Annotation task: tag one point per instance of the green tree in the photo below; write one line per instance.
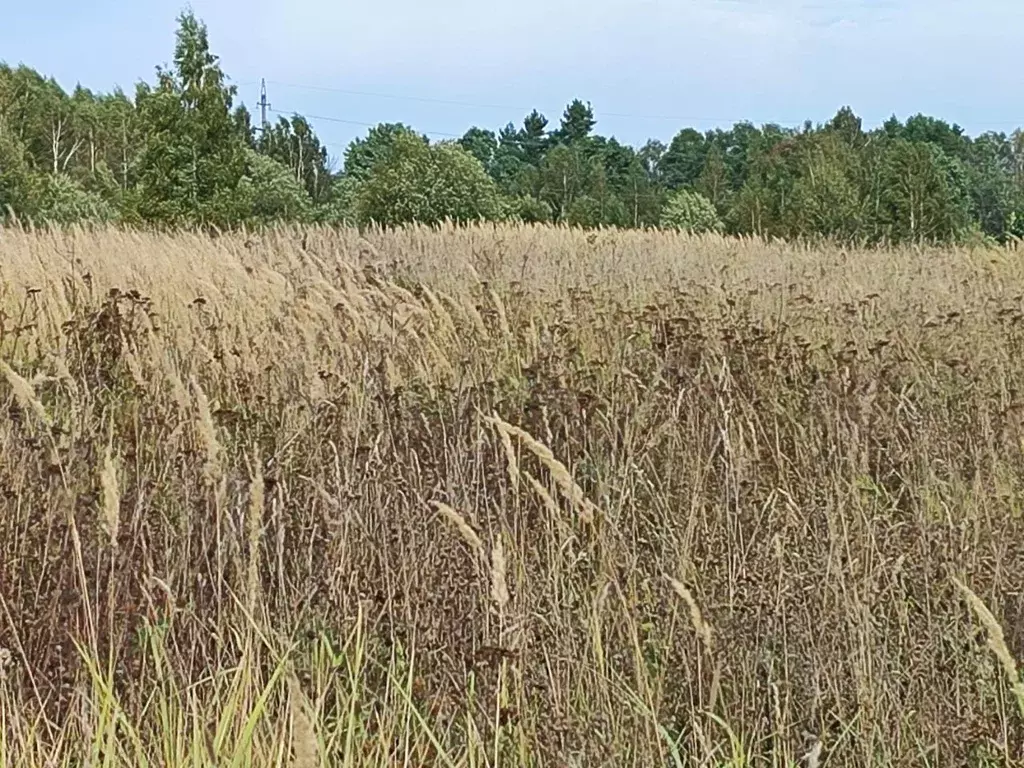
(951, 139)
(740, 145)
(269, 192)
(65, 201)
(577, 123)
(194, 153)
(826, 198)
(339, 208)
(528, 210)
(923, 193)
(563, 177)
(713, 181)
(415, 181)
(990, 174)
(509, 167)
(690, 212)
(652, 155)
(628, 193)
(17, 183)
(848, 127)
(599, 205)
(683, 161)
(481, 144)
(293, 143)
(28, 103)
(641, 194)
(763, 205)
(117, 137)
(362, 154)
(534, 140)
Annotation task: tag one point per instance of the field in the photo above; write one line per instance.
(508, 497)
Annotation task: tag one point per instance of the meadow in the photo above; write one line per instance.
(508, 496)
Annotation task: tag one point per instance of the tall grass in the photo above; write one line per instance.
(508, 496)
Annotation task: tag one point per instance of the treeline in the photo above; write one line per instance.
(179, 152)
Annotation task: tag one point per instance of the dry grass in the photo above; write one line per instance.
(508, 497)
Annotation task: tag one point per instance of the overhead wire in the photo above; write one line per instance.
(328, 119)
(509, 107)
(692, 119)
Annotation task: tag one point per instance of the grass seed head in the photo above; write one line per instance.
(465, 529)
(499, 585)
(701, 627)
(111, 497)
(24, 394)
(586, 509)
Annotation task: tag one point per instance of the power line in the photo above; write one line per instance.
(352, 122)
(478, 105)
(424, 99)
(265, 107)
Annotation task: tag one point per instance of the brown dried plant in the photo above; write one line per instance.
(314, 497)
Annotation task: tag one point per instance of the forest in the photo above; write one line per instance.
(180, 152)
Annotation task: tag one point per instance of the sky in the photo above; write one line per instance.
(649, 67)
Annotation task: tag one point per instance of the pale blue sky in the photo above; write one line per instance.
(696, 62)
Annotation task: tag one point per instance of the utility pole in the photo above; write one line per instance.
(264, 105)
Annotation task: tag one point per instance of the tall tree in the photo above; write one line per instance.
(951, 139)
(577, 123)
(269, 192)
(923, 192)
(17, 183)
(652, 155)
(294, 144)
(363, 153)
(534, 140)
(990, 181)
(713, 181)
(683, 161)
(481, 144)
(826, 197)
(194, 155)
(848, 127)
(563, 178)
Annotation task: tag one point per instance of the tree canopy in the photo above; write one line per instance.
(180, 152)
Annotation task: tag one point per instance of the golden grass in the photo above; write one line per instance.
(722, 501)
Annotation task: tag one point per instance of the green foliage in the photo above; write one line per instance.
(528, 210)
(194, 152)
(65, 201)
(179, 152)
(690, 212)
(951, 139)
(269, 192)
(577, 123)
(481, 144)
(563, 178)
(713, 181)
(847, 127)
(825, 197)
(534, 141)
(924, 193)
(17, 184)
(590, 212)
(363, 154)
(683, 161)
(294, 144)
(340, 206)
(994, 198)
(414, 181)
